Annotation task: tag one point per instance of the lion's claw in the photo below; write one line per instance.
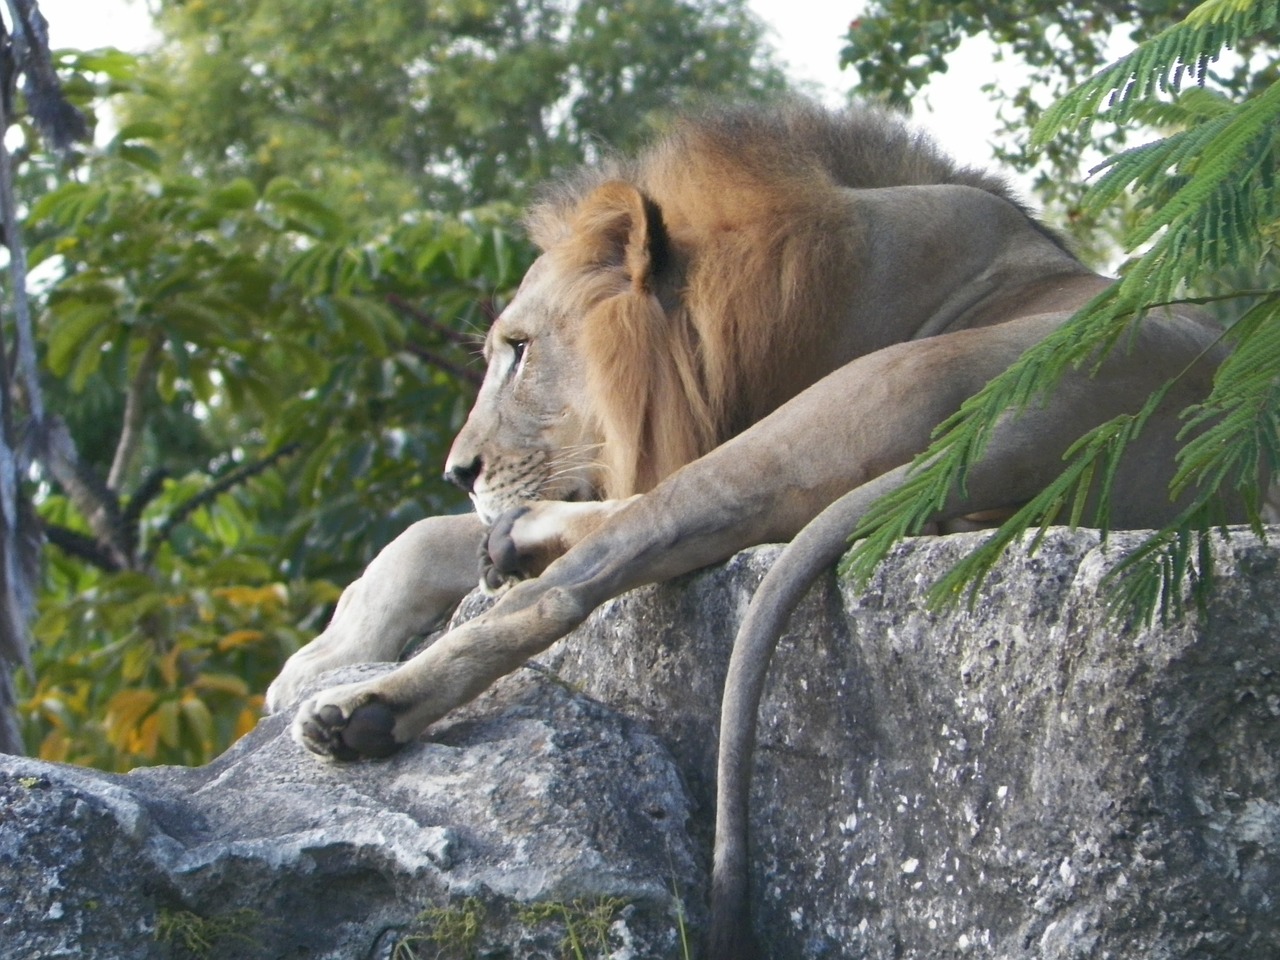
(368, 732)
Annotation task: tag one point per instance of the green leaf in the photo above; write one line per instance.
(239, 194)
(140, 130)
(108, 60)
(308, 213)
(367, 320)
(145, 157)
(77, 327)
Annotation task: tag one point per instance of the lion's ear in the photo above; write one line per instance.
(624, 229)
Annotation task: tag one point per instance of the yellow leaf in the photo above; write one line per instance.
(271, 596)
(124, 712)
(240, 638)
(169, 667)
(143, 741)
(199, 719)
(246, 721)
(134, 663)
(55, 747)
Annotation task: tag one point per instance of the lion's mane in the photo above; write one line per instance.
(704, 304)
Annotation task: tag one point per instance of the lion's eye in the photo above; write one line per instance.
(518, 348)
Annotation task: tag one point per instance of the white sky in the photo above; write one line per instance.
(86, 24)
(808, 35)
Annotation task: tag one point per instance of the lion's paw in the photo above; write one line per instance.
(501, 563)
(344, 728)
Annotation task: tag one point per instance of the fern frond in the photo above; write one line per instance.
(1188, 108)
(1147, 163)
(1208, 203)
(961, 440)
(1101, 449)
(1238, 440)
(1239, 422)
(1162, 64)
(1153, 577)
(1239, 147)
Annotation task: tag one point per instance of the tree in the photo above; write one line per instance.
(1208, 201)
(247, 388)
(24, 433)
(899, 46)
(402, 104)
(253, 389)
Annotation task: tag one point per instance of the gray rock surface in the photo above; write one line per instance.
(533, 795)
(1025, 780)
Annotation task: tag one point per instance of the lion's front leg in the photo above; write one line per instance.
(416, 580)
(373, 718)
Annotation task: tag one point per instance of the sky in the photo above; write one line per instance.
(808, 35)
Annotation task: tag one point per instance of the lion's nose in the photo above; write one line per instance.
(464, 475)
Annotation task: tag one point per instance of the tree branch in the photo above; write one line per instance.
(89, 495)
(82, 547)
(464, 373)
(135, 409)
(473, 377)
(232, 479)
(131, 515)
(463, 340)
(26, 52)
(60, 123)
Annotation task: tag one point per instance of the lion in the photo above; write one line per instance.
(760, 318)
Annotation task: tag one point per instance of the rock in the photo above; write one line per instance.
(1022, 780)
(528, 807)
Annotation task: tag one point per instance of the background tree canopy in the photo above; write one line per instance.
(404, 105)
(897, 47)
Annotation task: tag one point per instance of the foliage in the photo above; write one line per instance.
(169, 663)
(1208, 198)
(454, 931)
(586, 923)
(198, 936)
(899, 46)
(406, 105)
(25, 429)
(250, 386)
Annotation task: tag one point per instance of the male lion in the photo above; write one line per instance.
(763, 315)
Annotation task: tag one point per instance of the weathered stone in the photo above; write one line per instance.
(532, 796)
(1025, 780)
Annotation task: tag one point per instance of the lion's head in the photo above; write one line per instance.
(679, 298)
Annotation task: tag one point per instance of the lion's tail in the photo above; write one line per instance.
(814, 549)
